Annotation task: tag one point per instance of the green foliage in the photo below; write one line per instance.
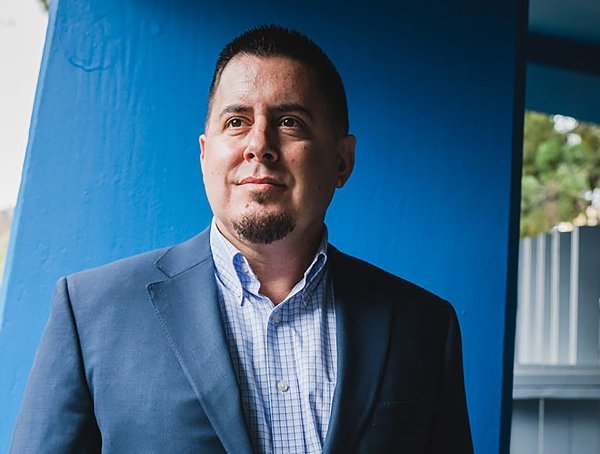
(561, 161)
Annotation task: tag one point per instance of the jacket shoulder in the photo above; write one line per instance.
(143, 264)
(157, 264)
(137, 271)
(369, 280)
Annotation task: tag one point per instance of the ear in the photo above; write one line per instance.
(202, 142)
(345, 154)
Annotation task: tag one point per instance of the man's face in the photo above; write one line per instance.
(271, 158)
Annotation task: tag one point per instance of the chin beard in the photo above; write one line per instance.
(264, 228)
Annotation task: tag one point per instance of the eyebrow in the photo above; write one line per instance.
(234, 108)
(293, 107)
(280, 108)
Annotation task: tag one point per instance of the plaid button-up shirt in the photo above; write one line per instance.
(285, 356)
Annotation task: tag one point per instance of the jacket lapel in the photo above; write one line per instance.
(187, 307)
(363, 328)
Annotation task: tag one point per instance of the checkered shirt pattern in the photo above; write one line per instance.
(284, 356)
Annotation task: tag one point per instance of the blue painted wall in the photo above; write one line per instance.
(112, 162)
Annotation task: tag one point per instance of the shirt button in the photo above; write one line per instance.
(276, 319)
(283, 386)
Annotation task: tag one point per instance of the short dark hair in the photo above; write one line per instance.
(277, 41)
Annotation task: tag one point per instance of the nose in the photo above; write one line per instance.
(261, 145)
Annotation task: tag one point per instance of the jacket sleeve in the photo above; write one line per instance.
(57, 414)
(451, 431)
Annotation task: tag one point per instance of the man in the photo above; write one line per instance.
(255, 335)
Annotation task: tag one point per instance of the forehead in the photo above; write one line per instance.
(261, 78)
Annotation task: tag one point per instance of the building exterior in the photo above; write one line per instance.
(556, 391)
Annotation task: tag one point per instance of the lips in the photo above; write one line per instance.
(266, 181)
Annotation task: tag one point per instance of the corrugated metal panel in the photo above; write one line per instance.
(556, 392)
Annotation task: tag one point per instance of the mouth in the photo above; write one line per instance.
(261, 183)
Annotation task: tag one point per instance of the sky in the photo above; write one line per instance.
(22, 33)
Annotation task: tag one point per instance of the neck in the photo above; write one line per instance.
(281, 264)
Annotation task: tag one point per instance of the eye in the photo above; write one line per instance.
(290, 122)
(234, 123)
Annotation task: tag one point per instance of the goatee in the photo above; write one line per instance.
(264, 228)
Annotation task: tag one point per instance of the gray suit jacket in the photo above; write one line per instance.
(134, 359)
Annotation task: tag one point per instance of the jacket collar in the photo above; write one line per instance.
(186, 255)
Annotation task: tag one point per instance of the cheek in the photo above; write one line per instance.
(214, 177)
(218, 166)
(210, 173)
(314, 169)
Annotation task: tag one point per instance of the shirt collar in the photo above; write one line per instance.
(234, 272)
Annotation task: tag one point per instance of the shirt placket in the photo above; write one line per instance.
(274, 354)
(286, 416)
(259, 309)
